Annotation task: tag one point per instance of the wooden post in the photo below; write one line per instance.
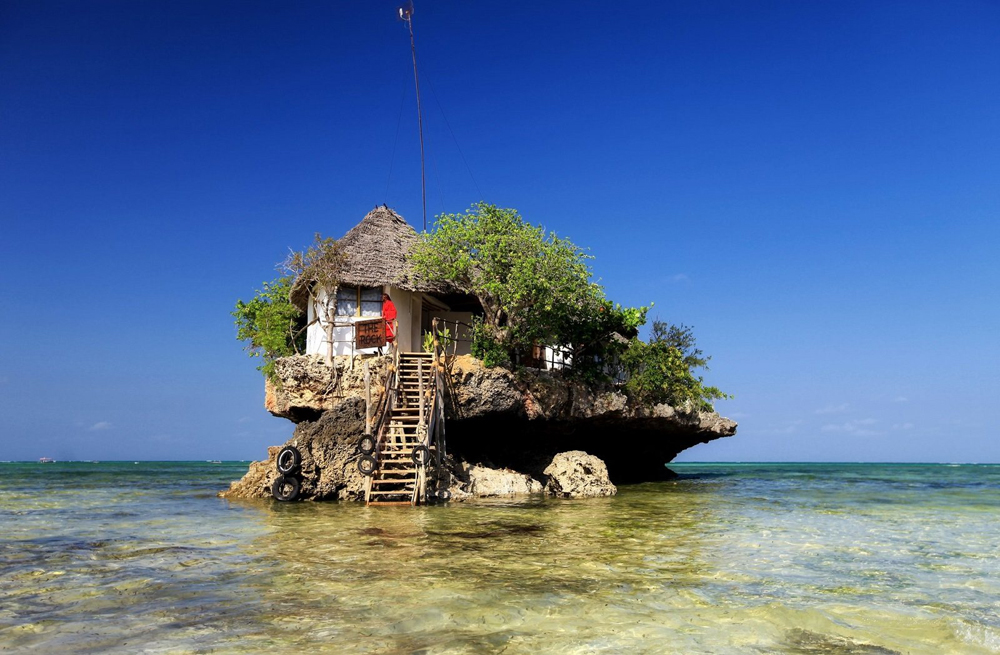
(420, 388)
(434, 332)
(368, 400)
(329, 339)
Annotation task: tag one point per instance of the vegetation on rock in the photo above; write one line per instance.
(534, 287)
(661, 370)
(270, 325)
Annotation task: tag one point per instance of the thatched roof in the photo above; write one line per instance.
(378, 250)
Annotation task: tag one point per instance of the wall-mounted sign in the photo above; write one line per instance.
(369, 334)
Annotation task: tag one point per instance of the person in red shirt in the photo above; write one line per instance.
(389, 314)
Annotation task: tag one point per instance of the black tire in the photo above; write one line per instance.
(286, 488)
(367, 465)
(288, 461)
(420, 455)
(366, 445)
(444, 495)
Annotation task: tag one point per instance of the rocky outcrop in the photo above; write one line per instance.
(329, 458)
(518, 426)
(575, 474)
(477, 391)
(520, 420)
(478, 481)
(305, 386)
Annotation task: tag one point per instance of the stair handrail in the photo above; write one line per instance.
(388, 399)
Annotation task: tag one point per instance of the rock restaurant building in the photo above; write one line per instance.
(378, 251)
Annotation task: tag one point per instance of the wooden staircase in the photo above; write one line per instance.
(398, 478)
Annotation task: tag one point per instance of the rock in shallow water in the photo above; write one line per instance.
(329, 458)
(483, 482)
(576, 474)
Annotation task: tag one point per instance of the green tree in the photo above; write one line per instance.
(682, 338)
(662, 370)
(534, 287)
(270, 325)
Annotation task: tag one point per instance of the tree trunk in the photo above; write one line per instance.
(329, 338)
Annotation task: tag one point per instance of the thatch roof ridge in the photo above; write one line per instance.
(377, 251)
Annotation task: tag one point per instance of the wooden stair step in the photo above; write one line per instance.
(405, 492)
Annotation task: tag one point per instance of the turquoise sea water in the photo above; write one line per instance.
(747, 558)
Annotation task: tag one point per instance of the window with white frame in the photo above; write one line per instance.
(359, 301)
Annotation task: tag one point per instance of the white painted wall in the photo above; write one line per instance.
(416, 305)
(344, 336)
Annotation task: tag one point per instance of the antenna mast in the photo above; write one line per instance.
(406, 14)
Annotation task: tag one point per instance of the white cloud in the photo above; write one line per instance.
(902, 426)
(790, 427)
(859, 427)
(679, 277)
(100, 425)
(900, 399)
(833, 409)
(244, 419)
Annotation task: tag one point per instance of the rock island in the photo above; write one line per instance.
(477, 360)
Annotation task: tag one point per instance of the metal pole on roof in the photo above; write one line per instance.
(406, 14)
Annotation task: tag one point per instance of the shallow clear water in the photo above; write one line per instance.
(759, 558)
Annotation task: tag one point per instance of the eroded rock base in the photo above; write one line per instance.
(509, 433)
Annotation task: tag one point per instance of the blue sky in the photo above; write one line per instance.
(813, 186)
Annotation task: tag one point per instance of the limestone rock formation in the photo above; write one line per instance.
(480, 481)
(575, 474)
(518, 419)
(329, 458)
(518, 424)
(306, 387)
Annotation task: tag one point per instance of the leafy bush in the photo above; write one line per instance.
(533, 286)
(536, 289)
(444, 338)
(271, 326)
(661, 371)
(486, 348)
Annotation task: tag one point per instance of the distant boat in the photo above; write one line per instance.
(213, 461)
(46, 460)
